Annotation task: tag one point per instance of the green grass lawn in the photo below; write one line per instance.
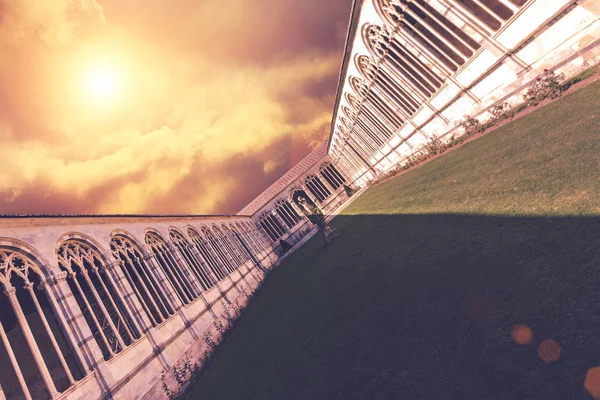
(418, 296)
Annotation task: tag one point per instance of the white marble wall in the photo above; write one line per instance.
(136, 369)
(560, 35)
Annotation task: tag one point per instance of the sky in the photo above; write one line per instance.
(161, 107)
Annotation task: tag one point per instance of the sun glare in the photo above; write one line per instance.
(103, 83)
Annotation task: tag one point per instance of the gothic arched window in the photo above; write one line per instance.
(205, 251)
(317, 188)
(332, 175)
(143, 282)
(287, 213)
(173, 271)
(429, 29)
(231, 244)
(271, 225)
(217, 247)
(242, 231)
(36, 356)
(102, 307)
(195, 264)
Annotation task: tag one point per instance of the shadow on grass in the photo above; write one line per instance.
(422, 307)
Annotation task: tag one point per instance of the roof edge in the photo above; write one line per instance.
(348, 48)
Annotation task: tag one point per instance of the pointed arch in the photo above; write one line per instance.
(317, 188)
(135, 267)
(287, 213)
(175, 273)
(33, 346)
(203, 248)
(195, 264)
(87, 276)
(271, 225)
(331, 174)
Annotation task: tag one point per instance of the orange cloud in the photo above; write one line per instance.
(187, 112)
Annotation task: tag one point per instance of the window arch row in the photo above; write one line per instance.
(231, 245)
(432, 30)
(175, 274)
(240, 241)
(215, 244)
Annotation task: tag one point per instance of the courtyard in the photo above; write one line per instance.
(474, 276)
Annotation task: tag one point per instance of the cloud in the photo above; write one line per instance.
(213, 107)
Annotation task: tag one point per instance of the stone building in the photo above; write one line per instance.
(414, 69)
(315, 180)
(99, 306)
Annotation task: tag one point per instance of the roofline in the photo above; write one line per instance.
(124, 216)
(34, 220)
(348, 48)
(282, 190)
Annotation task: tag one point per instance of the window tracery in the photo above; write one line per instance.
(317, 188)
(287, 213)
(271, 225)
(141, 279)
(40, 361)
(198, 268)
(172, 270)
(105, 313)
(332, 175)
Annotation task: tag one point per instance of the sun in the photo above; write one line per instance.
(103, 83)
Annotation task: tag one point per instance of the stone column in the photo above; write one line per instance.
(69, 313)
(367, 164)
(179, 271)
(447, 73)
(86, 277)
(145, 306)
(167, 289)
(203, 264)
(13, 362)
(209, 269)
(63, 362)
(11, 293)
(182, 262)
(112, 301)
(73, 277)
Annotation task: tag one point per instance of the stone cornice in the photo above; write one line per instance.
(348, 50)
(16, 221)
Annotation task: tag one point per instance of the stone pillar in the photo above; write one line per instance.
(186, 269)
(11, 293)
(85, 275)
(127, 295)
(73, 277)
(63, 362)
(203, 263)
(165, 286)
(14, 363)
(151, 317)
(69, 313)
